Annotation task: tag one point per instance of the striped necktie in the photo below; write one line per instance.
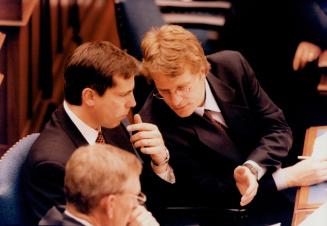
(100, 139)
(209, 115)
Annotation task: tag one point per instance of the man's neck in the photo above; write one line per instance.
(88, 219)
(83, 115)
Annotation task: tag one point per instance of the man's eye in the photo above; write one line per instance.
(124, 94)
(183, 88)
(164, 92)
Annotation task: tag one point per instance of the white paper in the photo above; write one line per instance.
(317, 218)
(320, 145)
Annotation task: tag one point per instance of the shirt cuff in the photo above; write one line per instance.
(168, 175)
(280, 179)
(261, 170)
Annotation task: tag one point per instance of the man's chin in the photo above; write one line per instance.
(112, 125)
(184, 114)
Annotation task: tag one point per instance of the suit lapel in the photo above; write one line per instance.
(120, 137)
(232, 112)
(236, 115)
(69, 127)
(214, 139)
(117, 136)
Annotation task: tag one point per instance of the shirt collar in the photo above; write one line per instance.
(88, 132)
(209, 102)
(83, 222)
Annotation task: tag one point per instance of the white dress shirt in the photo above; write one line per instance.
(83, 222)
(88, 132)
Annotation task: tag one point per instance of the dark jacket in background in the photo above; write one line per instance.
(56, 216)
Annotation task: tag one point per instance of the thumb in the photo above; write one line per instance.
(239, 171)
(137, 119)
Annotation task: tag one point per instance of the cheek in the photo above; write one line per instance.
(197, 99)
(126, 213)
(117, 106)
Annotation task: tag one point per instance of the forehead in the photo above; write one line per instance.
(122, 84)
(168, 82)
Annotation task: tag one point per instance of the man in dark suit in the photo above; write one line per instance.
(102, 187)
(99, 82)
(225, 135)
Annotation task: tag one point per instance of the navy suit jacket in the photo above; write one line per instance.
(43, 173)
(202, 160)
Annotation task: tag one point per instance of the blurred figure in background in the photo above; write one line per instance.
(283, 41)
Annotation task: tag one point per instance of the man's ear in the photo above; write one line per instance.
(108, 204)
(88, 96)
(205, 70)
(203, 73)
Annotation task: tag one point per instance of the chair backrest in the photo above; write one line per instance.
(203, 18)
(134, 19)
(12, 210)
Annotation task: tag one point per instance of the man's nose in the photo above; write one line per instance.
(176, 100)
(131, 102)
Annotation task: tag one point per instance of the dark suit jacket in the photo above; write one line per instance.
(57, 216)
(43, 171)
(203, 161)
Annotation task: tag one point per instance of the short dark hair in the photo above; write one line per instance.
(92, 65)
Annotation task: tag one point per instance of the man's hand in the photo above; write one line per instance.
(148, 138)
(306, 172)
(141, 217)
(305, 52)
(246, 183)
(323, 59)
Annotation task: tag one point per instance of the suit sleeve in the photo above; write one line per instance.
(275, 136)
(44, 187)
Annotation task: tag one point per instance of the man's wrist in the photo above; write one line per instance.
(252, 169)
(159, 169)
(280, 179)
(162, 162)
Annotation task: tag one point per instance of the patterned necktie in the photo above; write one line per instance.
(100, 139)
(209, 115)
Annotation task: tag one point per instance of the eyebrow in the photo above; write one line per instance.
(127, 92)
(182, 85)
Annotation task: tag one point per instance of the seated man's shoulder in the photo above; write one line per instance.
(225, 55)
(52, 146)
(54, 216)
(228, 64)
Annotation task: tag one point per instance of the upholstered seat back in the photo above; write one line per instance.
(12, 209)
(134, 19)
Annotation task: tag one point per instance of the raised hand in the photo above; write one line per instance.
(305, 52)
(142, 217)
(148, 138)
(246, 183)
